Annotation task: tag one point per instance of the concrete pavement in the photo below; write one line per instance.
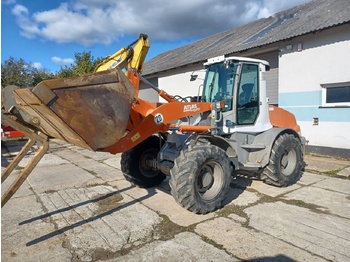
(77, 206)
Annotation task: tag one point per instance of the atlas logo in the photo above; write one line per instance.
(191, 108)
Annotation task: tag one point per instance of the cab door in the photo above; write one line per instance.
(248, 95)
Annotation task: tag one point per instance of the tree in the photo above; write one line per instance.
(38, 75)
(20, 73)
(84, 64)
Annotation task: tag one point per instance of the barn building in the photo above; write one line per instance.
(308, 48)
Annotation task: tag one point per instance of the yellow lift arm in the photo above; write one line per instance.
(130, 57)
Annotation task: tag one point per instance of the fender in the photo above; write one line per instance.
(219, 142)
(268, 139)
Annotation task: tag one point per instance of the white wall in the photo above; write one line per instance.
(328, 134)
(147, 93)
(177, 82)
(324, 58)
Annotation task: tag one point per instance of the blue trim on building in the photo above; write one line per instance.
(308, 98)
(306, 106)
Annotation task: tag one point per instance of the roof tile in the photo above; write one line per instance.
(300, 20)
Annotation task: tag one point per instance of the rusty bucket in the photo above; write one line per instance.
(90, 111)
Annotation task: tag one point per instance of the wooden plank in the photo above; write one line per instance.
(50, 123)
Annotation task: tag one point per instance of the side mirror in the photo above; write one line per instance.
(193, 77)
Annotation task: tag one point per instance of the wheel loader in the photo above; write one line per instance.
(200, 142)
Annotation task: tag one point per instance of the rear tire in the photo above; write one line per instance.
(134, 164)
(200, 178)
(286, 162)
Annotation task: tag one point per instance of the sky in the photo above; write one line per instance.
(47, 33)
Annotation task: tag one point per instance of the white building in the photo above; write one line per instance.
(308, 48)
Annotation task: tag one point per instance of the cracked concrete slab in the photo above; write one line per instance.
(333, 202)
(345, 172)
(95, 218)
(15, 234)
(334, 184)
(324, 164)
(259, 186)
(82, 209)
(24, 190)
(114, 161)
(320, 234)
(183, 247)
(101, 170)
(238, 218)
(98, 156)
(58, 177)
(310, 178)
(271, 190)
(242, 197)
(262, 247)
(47, 160)
(71, 156)
(163, 203)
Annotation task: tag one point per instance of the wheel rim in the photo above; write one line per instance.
(210, 180)
(288, 161)
(144, 164)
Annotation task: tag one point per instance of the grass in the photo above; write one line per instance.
(332, 172)
(230, 209)
(212, 242)
(19, 168)
(167, 229)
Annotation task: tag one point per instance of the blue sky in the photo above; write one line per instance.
(47, 33)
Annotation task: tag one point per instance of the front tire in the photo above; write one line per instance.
(286, 162)
(135, 164)
(200, 178)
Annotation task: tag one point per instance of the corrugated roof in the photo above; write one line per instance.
(300, 20)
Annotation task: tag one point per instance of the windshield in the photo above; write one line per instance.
(218, 84)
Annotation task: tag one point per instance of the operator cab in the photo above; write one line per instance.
(239, 82)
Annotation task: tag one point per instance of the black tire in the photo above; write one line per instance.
(200, 178)
(134, 167)
(286, 162)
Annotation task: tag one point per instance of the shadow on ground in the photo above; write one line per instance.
(233, 194)
(151, 192)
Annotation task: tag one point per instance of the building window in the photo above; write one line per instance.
(336, 94)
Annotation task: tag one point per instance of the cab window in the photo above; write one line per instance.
(248, 95)
(219, 84)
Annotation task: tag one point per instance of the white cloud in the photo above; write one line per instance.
(89, 22)
(271, 7)
(37, 65)
(28, 28)
(8, 2)
(62, 61)
(19, 10)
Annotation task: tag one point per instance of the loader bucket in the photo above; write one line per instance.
(91, 111)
